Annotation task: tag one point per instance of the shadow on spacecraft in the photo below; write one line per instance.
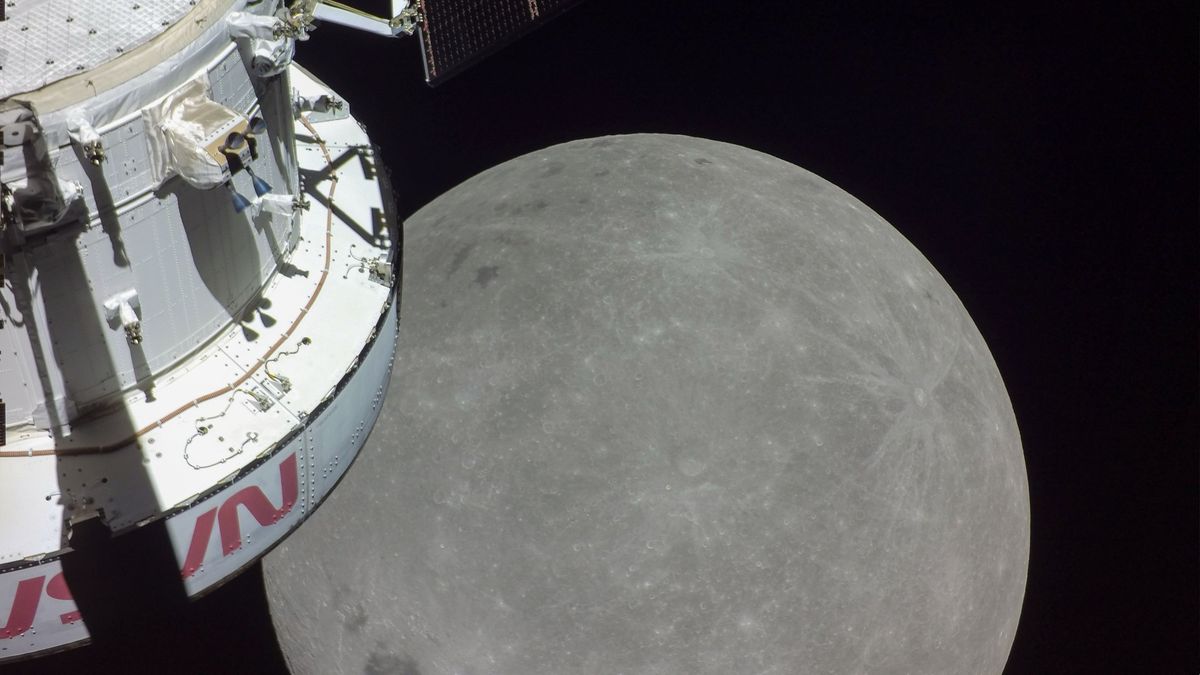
(199, 292)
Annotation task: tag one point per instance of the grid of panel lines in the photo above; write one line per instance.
(457, 33)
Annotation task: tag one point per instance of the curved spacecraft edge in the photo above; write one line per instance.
(197, 317)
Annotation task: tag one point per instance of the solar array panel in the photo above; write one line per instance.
(457, 33)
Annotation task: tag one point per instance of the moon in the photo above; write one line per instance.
(668, 405)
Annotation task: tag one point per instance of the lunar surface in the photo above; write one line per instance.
(668, 405)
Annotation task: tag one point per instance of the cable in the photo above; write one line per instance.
(117, 445)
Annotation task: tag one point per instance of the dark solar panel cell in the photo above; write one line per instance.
(457, 33)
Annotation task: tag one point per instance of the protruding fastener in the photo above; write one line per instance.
(94, 152)
(121, 308)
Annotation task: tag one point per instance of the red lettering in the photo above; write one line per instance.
(29, 591)
(200, 535)
(258, 505)
(24, 607)
(57, 589)
(226, 516)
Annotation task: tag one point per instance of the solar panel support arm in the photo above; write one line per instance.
(403, 22)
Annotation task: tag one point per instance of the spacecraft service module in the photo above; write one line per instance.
(198, 309)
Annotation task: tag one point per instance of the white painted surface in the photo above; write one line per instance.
(303, 441)
(46, 40)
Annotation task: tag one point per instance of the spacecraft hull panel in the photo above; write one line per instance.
(216, 538)
(193, 261)
(42, 42)
(233, 438)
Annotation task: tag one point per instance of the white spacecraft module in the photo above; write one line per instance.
(197, 315)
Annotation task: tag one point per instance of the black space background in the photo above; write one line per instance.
(1045, 161)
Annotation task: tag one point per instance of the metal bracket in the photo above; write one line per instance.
(298, 22)
(406, 21)
(380, 272)
(122, 308)
(261, 400)
(83, 134)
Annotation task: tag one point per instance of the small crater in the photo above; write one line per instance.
(701, 161)
(601, 172)
(485, 275)
(553, 169)
(601, 143)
